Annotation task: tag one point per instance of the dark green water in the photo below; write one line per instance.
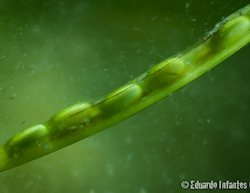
(56, 53)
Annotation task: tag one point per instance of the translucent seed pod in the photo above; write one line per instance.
(121, 98)
(162, 75)
(83, 120)
(70, 119)
(21, 142)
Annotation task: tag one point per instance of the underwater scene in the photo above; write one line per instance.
(54, 54)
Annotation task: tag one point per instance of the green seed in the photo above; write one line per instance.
(74, 114)
(122, 98)
(70, 119)
(163, 74)
(236, 28)
(229, 34)
(24, 140)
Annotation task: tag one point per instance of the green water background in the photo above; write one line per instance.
(57, 53)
